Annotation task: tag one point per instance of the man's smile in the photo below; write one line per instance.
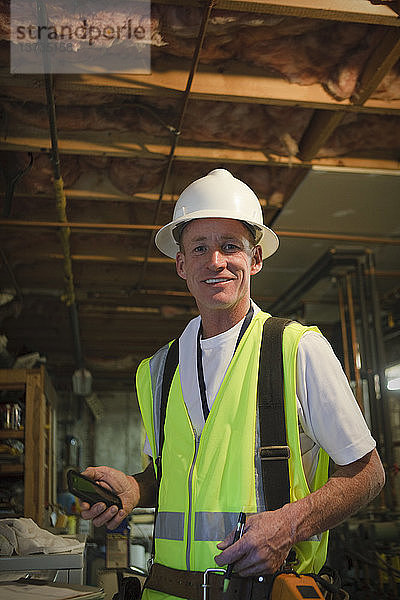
(217, 280)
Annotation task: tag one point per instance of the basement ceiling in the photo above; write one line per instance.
(300, 99)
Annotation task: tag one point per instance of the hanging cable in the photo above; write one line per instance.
(11, 183)
(177, 132)
(64, 232)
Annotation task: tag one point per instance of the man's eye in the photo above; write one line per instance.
(231, 247)
(199, 249)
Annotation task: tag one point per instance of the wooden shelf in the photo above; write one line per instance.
(39, 469)
(11, 469)
(143, 518)
(12, 434)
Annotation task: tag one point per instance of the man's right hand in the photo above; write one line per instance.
(125, 486)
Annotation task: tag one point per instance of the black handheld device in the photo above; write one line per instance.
(91, 492)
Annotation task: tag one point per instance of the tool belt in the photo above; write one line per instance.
(190, 584)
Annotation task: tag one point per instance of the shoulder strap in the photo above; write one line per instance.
(274, 451)
(171, 362)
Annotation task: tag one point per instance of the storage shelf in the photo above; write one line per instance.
(39, 467)
(12, 434)
(11, 469)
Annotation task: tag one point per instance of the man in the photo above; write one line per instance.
(210, 464)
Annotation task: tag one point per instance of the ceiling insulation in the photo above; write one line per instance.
(281, 89)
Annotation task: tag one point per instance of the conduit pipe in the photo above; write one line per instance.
(343, 329)
(64, 232)
(176, 133)
(354, 343)
(380, 363)
(372, 351)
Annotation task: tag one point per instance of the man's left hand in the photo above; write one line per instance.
(262, 549)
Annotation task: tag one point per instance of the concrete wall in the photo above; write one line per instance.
(115, 439)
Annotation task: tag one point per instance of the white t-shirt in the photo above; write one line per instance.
(328, 413)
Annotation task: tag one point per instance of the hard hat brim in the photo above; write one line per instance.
(166, 243)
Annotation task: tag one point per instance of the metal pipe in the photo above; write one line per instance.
(354, 344)
(308, 279)
(64, 231)
(381, 364)
(76, 337)
(323, 267)
(178, 130)
(364, 239)
(343, 328)
(366, 354)
(367, 372)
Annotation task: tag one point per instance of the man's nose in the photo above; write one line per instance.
(217, 260)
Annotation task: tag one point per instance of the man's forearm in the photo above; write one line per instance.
(349, 489)
(269, 535)
(147, 486)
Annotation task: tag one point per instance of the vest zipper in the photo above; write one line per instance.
(189, 525)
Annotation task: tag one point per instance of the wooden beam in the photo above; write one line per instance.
(104, 259)
(324, 123)
(237, 83)
(7, 223)
(320, 128)
(357, 11)
(118, 196)
(384, 57)
(98, 194)
(10, 223)
(121, 145)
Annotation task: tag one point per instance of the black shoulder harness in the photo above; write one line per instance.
(274, 451)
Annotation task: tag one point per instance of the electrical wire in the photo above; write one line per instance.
(177, 131)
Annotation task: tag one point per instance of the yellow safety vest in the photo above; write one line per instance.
(207, 481)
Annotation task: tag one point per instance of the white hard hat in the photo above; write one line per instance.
(218, 194)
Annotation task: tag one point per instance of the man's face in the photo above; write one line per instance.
(217, 259)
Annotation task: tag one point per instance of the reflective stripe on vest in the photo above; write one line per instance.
(207, 525)
(201, 493)
(170, 525)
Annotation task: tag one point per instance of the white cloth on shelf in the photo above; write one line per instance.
(23, 536)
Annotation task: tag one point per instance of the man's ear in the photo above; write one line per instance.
(256, 261)
(180, 265)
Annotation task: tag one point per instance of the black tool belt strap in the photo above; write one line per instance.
(274, 451)
(189, 585)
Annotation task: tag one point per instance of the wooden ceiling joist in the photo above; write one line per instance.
(323, 123)
(237, 83)
(384, 57)
(10, 223)
(357, 11)
(105, 259)
(321, 127)
(100, 195)
(121, 145)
